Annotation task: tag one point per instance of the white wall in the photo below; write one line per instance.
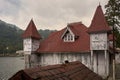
(98, 41)
(58, 58)
(101, 66)
(30, 44)
(27, 44)
(35, 44)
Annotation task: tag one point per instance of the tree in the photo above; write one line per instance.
(113, 18)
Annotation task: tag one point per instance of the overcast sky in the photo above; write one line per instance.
(48, 14)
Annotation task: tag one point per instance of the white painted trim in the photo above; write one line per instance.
(64, 33)
(67, 29)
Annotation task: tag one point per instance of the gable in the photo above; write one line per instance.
(68, 35)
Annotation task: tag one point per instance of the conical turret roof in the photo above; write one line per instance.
(99, 23)
(31, 31)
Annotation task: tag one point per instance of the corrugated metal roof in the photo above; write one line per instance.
(31, 31)
(69, 71)
(54, 42)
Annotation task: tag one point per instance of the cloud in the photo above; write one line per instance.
(48, 14)
(9, 7)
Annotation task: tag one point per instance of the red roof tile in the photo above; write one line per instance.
(54, 42)
(98, 23)
(31, 31)
(69, 71)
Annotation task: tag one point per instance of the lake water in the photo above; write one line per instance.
(9, 66)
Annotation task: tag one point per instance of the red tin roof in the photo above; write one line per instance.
(54, 42)
(31, 31)
(68, 71)
(98, 23)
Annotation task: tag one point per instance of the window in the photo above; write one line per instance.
(68, 37)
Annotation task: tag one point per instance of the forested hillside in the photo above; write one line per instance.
(45, 33)
(10, 37)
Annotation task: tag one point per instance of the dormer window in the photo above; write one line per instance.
(68, 36)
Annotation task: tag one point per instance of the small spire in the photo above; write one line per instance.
(31, 31)
(99, 4)
(99, 23)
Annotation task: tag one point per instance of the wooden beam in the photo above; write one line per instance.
(105, 62)
(92, 59)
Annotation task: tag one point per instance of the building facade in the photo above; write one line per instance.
(76, 42)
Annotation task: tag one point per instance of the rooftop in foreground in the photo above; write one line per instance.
(68, 71)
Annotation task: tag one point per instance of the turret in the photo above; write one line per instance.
(31, 42)
(98, 32)
(31, 38)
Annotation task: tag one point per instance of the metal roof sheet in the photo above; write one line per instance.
(69, 71)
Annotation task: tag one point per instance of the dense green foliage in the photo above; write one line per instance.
(113, 12)
(113, 17)
(10, 37)
(45, 33)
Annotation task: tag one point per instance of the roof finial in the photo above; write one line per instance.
(99, 4)
(32, 18)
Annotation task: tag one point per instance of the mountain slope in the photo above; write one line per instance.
(10, 39)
